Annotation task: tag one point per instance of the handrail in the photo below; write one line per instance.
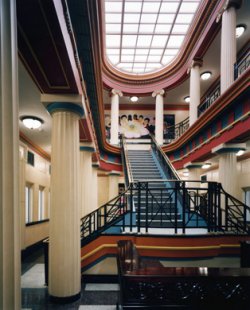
(126, 163)
(242, 64)
(163, 159)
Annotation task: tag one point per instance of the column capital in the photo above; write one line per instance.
(195, 62)
(116, 92)
(65, 106)
(158, 92)
(228, 4)
(229, 148)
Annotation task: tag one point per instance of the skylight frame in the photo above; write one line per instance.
(159, 35)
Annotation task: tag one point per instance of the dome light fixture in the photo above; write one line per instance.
(134, 99)
(206, 166)
(206, 75)
(240, 29)
(31, 122)
(240, 152)
(187, 99)
(185, 173)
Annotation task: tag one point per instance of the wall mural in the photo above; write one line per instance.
(139, 126)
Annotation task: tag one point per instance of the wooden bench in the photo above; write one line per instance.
(146, 284)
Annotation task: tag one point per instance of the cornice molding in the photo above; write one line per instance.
(37, 149)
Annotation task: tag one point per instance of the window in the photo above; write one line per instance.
(28, 203)
(30, 158)
(41, 214)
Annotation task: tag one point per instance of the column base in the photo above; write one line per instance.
(65, 300)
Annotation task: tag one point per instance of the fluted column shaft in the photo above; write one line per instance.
(113, 186)
(159, 113)
(194, 91)
(228, 172)
(64, 245)
(228, 48)
(114, 130)
(86, 177)
(10, 265)
(94, 190)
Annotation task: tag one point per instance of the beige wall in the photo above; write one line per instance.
(103, 190)
(36, 177)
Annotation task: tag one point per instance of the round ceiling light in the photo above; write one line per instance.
(206, 166)
(187, 99)
(240, 29)
(32, 122)
(206, 75)
(240, 152)
(134, 99)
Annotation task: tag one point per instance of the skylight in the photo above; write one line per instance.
(142, 36)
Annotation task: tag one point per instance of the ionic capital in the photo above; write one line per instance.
(116, 92)
(158, 92)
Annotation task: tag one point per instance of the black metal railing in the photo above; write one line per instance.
(242, 64)
(210, 99)
(208, 207)
(163, 160)
(174, 132)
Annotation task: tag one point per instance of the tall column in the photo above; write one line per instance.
(10, 265)
(194, 170)
(114, 130)
(194, 90)
(228, 175)
(85, 177)
(64, 244)
(159, 112)
(228, 45)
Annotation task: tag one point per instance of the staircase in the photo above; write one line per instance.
(161, 213)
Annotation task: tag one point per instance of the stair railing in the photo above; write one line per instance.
(164, 160)
(126, 164)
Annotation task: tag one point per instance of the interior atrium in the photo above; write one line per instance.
(125, 130)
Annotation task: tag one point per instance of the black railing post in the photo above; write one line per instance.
(146, 207)
(209, 207)
(226, 212)
(131, 206)
(139, 208)
(176, 189)
(218, 190)
(184, 194)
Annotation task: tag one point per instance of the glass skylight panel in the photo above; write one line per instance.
(131, 18)
(184, 18)
(113, 40)
(165, 18)
(113, 6)
(167, 59)
(130, 28)
(141, 58)
(144, 40)
(129, 40)
(163, 28)
(128, 51)
(151, 7)
(154, 58)
(146, 28)
(127, 58)
(113, 51)
(156, 51)
(142, 51)
(159, 41)
(148, 18)
(180, 29)
(169, 7)
(151, 35)
(175, 41)
(171, 51)
(113, 18)
(189, 7)
(114, 59)
(133, 7)
(113, 28)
